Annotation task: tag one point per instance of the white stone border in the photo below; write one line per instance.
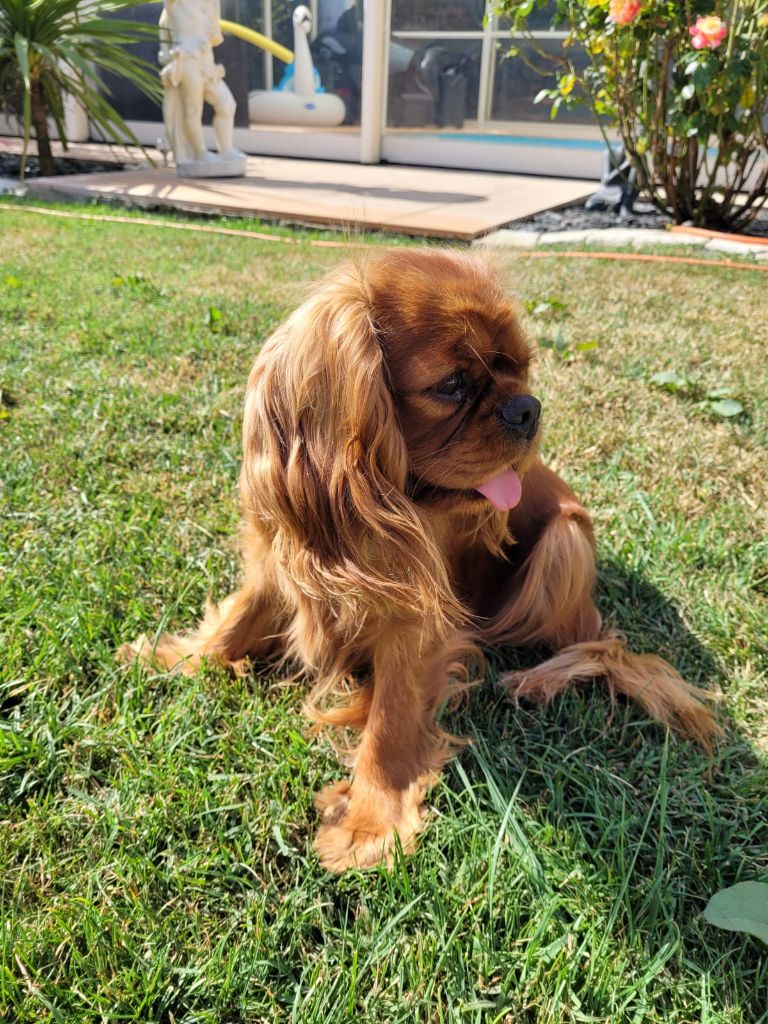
(612, 238)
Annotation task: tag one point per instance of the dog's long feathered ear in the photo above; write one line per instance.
(325, 462)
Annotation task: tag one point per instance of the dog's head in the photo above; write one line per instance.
(457, 367)
(396, 394)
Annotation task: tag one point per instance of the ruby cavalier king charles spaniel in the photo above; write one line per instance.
(396, 519)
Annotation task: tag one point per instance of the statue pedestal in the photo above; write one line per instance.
(214, 167)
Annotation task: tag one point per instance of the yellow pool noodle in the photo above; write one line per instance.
(257, 39)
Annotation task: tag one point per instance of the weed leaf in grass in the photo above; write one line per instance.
(214, 319)
(540, 307)
(139, 283)
(725, 407)
(563, 348)
(741, 908)
(558, 344)
(671, 380)
(717, 402)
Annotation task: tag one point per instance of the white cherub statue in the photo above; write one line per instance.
(189, 29)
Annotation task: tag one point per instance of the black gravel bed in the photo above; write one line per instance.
(576, 218)
(10, 164)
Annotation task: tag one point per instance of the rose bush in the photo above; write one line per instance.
(685, 86)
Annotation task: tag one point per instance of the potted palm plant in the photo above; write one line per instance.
(50, 49)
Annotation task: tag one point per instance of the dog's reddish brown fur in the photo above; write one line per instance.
(370, 559)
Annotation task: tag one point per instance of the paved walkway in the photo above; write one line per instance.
(617, 238)
(422, 201)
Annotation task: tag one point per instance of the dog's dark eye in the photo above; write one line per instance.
(452, 387)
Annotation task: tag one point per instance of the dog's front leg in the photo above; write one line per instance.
(399, 752)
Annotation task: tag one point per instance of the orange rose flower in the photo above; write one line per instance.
(622, 12)
(709, 31)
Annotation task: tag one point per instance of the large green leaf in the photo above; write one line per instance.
(741, 908)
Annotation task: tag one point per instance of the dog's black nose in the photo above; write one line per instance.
(520, 415)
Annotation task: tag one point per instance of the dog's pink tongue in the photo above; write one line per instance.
(503, 491)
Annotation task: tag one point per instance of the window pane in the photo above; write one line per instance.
(516, 83)
(128, 101)
(243, 63)
(433, 82)
(438, 15)
(337, 52)
(336, 43)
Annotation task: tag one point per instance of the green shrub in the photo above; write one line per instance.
(685, 87)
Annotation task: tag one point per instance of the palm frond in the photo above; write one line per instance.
(21, 49)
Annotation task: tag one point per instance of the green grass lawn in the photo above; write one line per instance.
(155, 832)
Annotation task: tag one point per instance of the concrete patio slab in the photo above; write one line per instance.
(728, 245)
(410, 200)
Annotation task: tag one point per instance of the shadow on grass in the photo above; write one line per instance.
(654, 823)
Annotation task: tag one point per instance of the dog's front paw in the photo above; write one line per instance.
(172, 653)
(358, 829)
(183, 655)
(138, 650)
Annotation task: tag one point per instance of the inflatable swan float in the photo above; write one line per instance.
(298, 103)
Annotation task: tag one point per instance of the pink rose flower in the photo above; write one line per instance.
(622, 12)
(709, 31)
